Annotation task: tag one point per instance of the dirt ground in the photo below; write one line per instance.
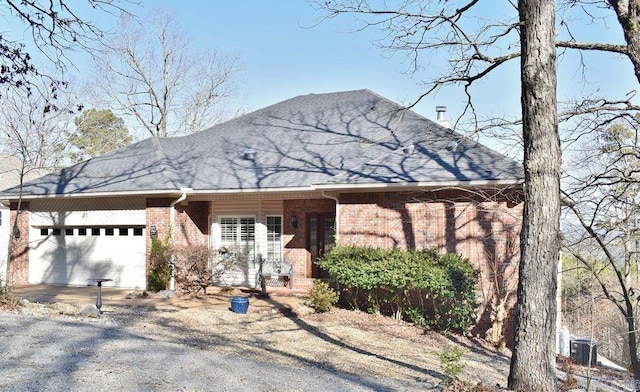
(281, 329)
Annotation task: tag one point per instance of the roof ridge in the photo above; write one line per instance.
(167, 170)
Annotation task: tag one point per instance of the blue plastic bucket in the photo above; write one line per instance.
(239, 304)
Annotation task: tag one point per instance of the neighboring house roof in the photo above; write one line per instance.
(353, 138)
(10, 169)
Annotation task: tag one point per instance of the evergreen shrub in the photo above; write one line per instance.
(433, 289)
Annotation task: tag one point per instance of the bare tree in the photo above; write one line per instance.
(533, 358)
(153, 73)
(55, 30)
(34, 129)
(601, 197)
(438, 28)
(30, 108)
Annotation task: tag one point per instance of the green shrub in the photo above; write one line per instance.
(159, 265)
(451, 363)
(416, 316)
(424, 286)
(322, 297)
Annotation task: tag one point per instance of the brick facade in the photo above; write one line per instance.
(191, 222)
(295, 246)
(481, 226)
(19, 260)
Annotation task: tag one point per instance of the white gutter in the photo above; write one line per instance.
(405, 185)
(334, 198)
(172, 218)
(313, 187)
(158, 193)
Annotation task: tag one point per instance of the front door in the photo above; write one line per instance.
(321, 239)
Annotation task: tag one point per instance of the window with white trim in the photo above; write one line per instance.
(238, 235)
(274, 237)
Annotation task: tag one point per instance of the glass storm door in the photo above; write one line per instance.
(321, 239)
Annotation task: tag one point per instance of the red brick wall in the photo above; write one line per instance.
(296, 240)
(190, 225)
(19, 263)
(483, 227)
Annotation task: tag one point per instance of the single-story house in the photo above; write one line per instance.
(286, 183)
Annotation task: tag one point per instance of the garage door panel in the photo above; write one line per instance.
(74, 259)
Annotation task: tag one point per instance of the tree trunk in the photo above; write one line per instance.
(628, 13)
(533, 360)
(633, 345)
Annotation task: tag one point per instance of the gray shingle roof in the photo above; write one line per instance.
(353, 137)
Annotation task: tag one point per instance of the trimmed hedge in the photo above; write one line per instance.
(424, 286)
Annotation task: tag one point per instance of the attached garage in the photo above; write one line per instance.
(72, 243)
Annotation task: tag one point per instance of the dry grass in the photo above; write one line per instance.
(347, 341)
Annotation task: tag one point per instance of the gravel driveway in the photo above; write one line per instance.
(87, 354)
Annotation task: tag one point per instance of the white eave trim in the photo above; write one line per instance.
(165, 192)
(422, 185)
(312, 188)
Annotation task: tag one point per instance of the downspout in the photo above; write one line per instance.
(334, 198)
(172, 218)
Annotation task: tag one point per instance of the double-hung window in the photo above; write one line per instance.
(274, 238)
(238, 235)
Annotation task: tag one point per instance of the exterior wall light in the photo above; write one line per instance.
(153, 231)
(294, 221)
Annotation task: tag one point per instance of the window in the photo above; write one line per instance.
(137, 231)
(95, 231)
(274, 237)
(55, 231)
(44, 231)
(82, 231)
(68, 231)
(108, 231)
(238, 234)
(123, 231)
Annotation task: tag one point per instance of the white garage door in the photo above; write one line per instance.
(71, 248)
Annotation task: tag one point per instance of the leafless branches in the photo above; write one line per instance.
(152, 72)
(56, 29)
(424, 31)
(33, 131)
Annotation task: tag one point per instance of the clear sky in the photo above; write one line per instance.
(285, 53)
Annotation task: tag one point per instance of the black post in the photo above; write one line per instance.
(99, 300)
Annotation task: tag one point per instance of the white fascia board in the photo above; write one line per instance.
(96, 194)
(252, 190)
(165, 192)
(422, 185)
(311, 188)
